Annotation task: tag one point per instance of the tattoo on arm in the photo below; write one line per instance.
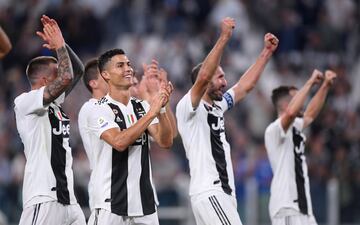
(63, 79)
(78, 68)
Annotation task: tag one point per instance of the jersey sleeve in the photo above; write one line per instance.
(101, 119)
(31, 102)
(273, 134)
(184, 109)
(299, 123)
(228, 100)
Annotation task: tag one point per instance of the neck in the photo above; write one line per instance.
(97, 94)
(207, 99)
(120, 94)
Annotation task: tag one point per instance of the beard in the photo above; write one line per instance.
(216, 94)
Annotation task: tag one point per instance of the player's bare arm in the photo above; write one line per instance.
(164, 78)
(314, 107)
(78, 68)
(211, 62)
(121, 140)
(5, 44)
(153, 77)
(54, 40)
(163, 131)
(297, 102)
(251, 76)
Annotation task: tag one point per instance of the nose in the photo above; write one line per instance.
(223, 82)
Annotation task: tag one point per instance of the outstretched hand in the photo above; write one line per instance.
(51, 34)
(271, 42)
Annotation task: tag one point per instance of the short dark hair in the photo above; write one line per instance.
(106, 57)
(195, 72)
(281, 92)
(91, 72)
(38, 64)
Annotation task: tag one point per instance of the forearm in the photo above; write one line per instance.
(77, 66)
(172, 119)
(165, 136)
(299, 99)
(314, 107)
(128, 136)
(63, 79)
(251, 76)
(212, 61)
(5, 44)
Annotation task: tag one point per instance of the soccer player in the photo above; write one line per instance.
(121, 125)
(201, 126)
(5, 44)
(98, 88)
(44, 128)
(290, 201)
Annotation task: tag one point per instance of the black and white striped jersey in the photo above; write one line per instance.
(122, 181)
(44, 131)
(290, 184)
(203, 134)
(88, 140)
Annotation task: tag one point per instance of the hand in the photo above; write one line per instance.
(163, 76)
(166, 90)
(330, 77)
(227, 27)
(316, 77)
(271, 42)
(150, 79)
(51, 34)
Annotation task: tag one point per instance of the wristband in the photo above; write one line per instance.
(163, 110)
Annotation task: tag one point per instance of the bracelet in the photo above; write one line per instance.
(163, 110)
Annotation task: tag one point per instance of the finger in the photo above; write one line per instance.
(144, 66)
(46, 46)
(41, 35)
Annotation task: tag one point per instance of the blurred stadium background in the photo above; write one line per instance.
(179, 33)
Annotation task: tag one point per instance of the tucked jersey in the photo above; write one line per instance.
(44, 131)
(122, 180)
(88, 141)
(290, 184)
(203, 134)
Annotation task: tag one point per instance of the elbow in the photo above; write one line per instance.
(120, 147)
(166, 144)
(291, 113)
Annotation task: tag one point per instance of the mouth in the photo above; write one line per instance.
(128, 76)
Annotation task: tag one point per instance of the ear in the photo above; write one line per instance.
(105, 75)
(93, 84)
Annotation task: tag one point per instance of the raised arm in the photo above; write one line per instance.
(5, 44)
(314, 107)
(251, 76)
(121, 140)
(163, 131)
(150, 84)
(78, 68)
(298, 100)
(211, 62)
(54, 40)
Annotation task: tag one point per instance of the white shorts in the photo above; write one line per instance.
(52, 213)
(215, 208)
(102, 216)
(294, 220)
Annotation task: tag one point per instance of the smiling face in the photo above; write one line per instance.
(118, 72)
(217, 85)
